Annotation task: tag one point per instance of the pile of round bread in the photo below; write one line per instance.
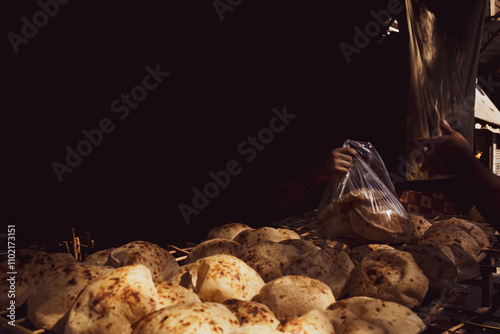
(246, 280)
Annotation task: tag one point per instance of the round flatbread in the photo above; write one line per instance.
(333, 221)
(436, 262)
(288, 234)
(313, 322)
(258, 330)
(450, 235)
(467, 265)
(302, 246)
(98, 258)
(369, 315)
(249, 238)
(391, 275)
(214, 247)
(472, 229)
(331, 266)
(199, 318)
(358, 253)
(251, 313)
(326, 244)
(170, 293)
(186, 275)
(367, 215)
(419, 225)
(270, 259)
(113, 302)
(161, 263)
(50, 302)
(32, 267)
(227, 231)
(220, 277)
(291, 296)
(487, 229)
(380, 224)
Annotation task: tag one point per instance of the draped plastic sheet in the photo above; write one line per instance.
(444, 51)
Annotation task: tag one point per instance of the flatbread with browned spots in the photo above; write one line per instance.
(370, 315)
(450, 235)
(419, 225)
(270, 259)
(472, 229)
(31, 267)
(331, 266)
(214, 247)
(170, 293)
(199, 318)
(112, 303)
(98, 258)
(220, 277)
(391, 275)
(161, 263)
(227, 231)
(291, 296)
(313, 322)
(251, 313)
(249, 238)
(50, 302)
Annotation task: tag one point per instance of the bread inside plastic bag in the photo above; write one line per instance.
(362, 205)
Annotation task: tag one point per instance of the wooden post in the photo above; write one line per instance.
(487, 282)
(73, 240)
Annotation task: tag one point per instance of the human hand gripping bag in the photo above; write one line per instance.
(361, 207)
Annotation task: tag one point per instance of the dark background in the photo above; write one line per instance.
(225, 79)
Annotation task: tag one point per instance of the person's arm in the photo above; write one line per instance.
(484, 187)
(336, 165)
(451, 154)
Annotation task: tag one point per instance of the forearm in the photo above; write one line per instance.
(335, 165)
(289, 194)
(484, 188)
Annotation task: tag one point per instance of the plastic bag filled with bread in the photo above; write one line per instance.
(362, 206)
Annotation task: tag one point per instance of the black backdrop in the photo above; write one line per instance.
(225, 79)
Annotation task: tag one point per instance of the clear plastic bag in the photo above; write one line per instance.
(362, 205)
